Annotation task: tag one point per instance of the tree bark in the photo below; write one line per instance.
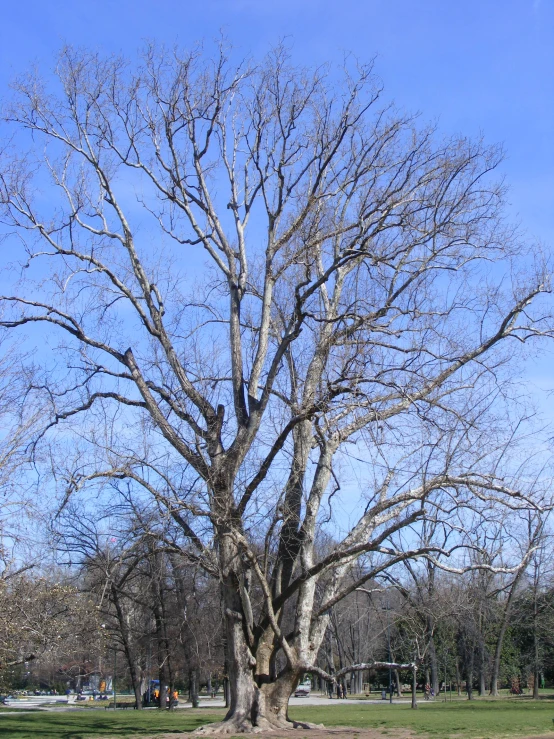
(458, 678)
(194, 689)
(226, 692)
(131, 657)
(433, 663)
(498, 649)
(536, 670)
(469, 675)
(257, 701)
(414, 688)
(256, 708)
(398, 683)
(482, 668)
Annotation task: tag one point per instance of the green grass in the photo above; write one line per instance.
(90, 724)
(481, 719)
(474, 719)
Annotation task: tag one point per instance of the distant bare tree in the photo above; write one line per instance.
(21, 415)
(509, 589)
(39, 617)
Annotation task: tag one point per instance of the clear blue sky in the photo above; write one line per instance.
(475, 65)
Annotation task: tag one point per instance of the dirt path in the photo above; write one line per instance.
(337, 732)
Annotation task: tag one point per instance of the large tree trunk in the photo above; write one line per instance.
(255, 708)
(240, 665)
(258, 699)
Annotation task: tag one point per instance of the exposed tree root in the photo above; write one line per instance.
(243, 725)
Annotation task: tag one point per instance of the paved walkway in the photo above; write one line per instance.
(60, 703)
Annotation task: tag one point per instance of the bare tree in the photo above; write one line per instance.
(535, 610)
(535, 531)
(20, 416)
(40, 619)
(108, 570)
(347, 337)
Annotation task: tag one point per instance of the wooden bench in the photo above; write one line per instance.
(119, 706)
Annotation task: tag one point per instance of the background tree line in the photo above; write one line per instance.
(126, 596)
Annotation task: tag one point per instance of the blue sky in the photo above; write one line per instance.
(476, 66)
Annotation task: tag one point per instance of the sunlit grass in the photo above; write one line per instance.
(100, 723)
(483, 719)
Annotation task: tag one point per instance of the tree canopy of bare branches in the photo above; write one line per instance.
(282, 307)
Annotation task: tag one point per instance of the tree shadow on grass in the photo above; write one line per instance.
(64, 726)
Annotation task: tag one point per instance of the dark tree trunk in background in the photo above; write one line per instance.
(194, 689)
(458, 678)
(469, 674)
(433, 661)
(130, 656)
(398, 683)
(482, 668)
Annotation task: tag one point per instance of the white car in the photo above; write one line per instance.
(303, 690)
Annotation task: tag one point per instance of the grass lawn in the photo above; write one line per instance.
(85, 724)
(483, 718)
(480, 719)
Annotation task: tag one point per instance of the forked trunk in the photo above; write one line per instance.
(255, 708)
(258, 701)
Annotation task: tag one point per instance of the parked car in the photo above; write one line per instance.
(303, 690)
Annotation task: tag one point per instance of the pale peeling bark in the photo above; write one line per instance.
(262, 709)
